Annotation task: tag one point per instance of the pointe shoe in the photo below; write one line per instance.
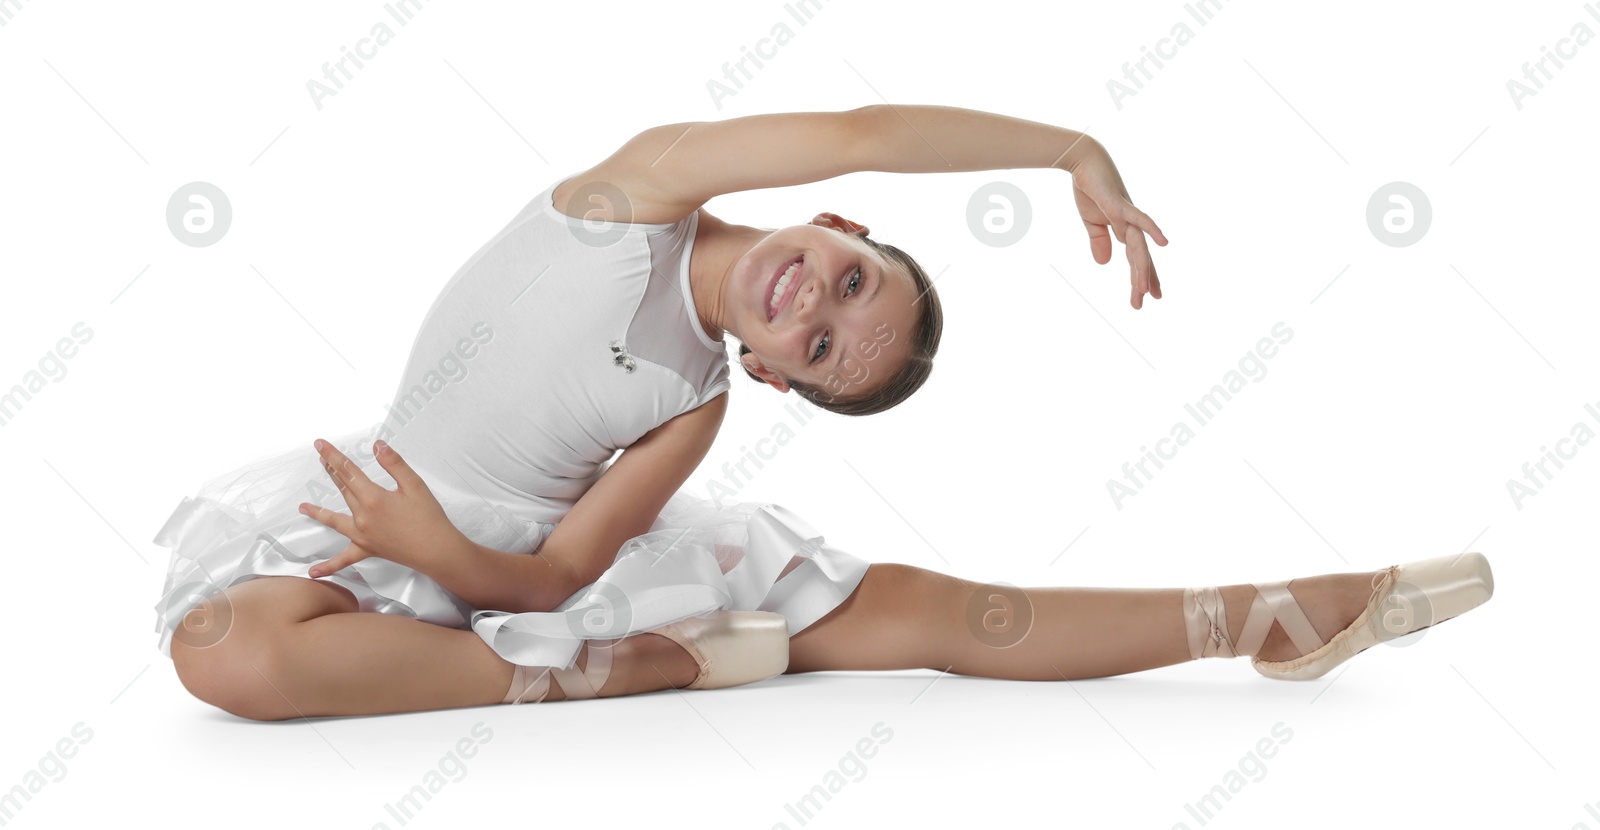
(732, 648)
(1426, 593)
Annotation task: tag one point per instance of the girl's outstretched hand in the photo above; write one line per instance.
(407, 526)
(1106, 210)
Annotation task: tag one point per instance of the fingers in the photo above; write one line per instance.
(352, 481)
(404, 477)
(1099, 242)
(349, 556)
(1143, 276)
(1106, 215)
(1148, 225)
(341, 522)
(1144, 270)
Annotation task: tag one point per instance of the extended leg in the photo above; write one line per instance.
(903, 617)
(284, 647)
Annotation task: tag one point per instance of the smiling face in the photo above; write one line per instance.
(844, 318)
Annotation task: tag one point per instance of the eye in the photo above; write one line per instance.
(855, 287)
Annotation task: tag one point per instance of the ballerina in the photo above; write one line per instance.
(508, 558)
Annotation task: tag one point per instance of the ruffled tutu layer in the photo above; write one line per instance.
(698, 556)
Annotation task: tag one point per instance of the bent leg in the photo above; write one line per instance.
(282, 647)
(904, 617)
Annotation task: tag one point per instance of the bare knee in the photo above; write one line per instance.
(230, 675)
(918, 593)
(229, 645)
(934, 617)
(899, 617)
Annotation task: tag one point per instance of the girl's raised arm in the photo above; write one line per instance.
(667, 172)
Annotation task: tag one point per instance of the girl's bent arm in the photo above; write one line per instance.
(620, 505)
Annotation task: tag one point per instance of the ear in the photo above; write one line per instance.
(760, 369)
(837, 222)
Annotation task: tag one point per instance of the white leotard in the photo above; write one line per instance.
(543, 404)
(557, 344)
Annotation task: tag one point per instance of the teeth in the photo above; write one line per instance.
(783, 282)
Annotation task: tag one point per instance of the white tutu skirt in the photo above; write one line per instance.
(699, 556)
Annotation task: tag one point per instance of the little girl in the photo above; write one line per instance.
(493, 550)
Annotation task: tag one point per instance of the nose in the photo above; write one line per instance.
(806, 301)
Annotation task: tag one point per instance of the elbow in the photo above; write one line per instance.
(555, 580)
(866, 119)
(861, 134)
(650, 144)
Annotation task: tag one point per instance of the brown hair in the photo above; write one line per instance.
(895, 390)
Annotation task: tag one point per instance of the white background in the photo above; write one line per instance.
(1419, 381)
